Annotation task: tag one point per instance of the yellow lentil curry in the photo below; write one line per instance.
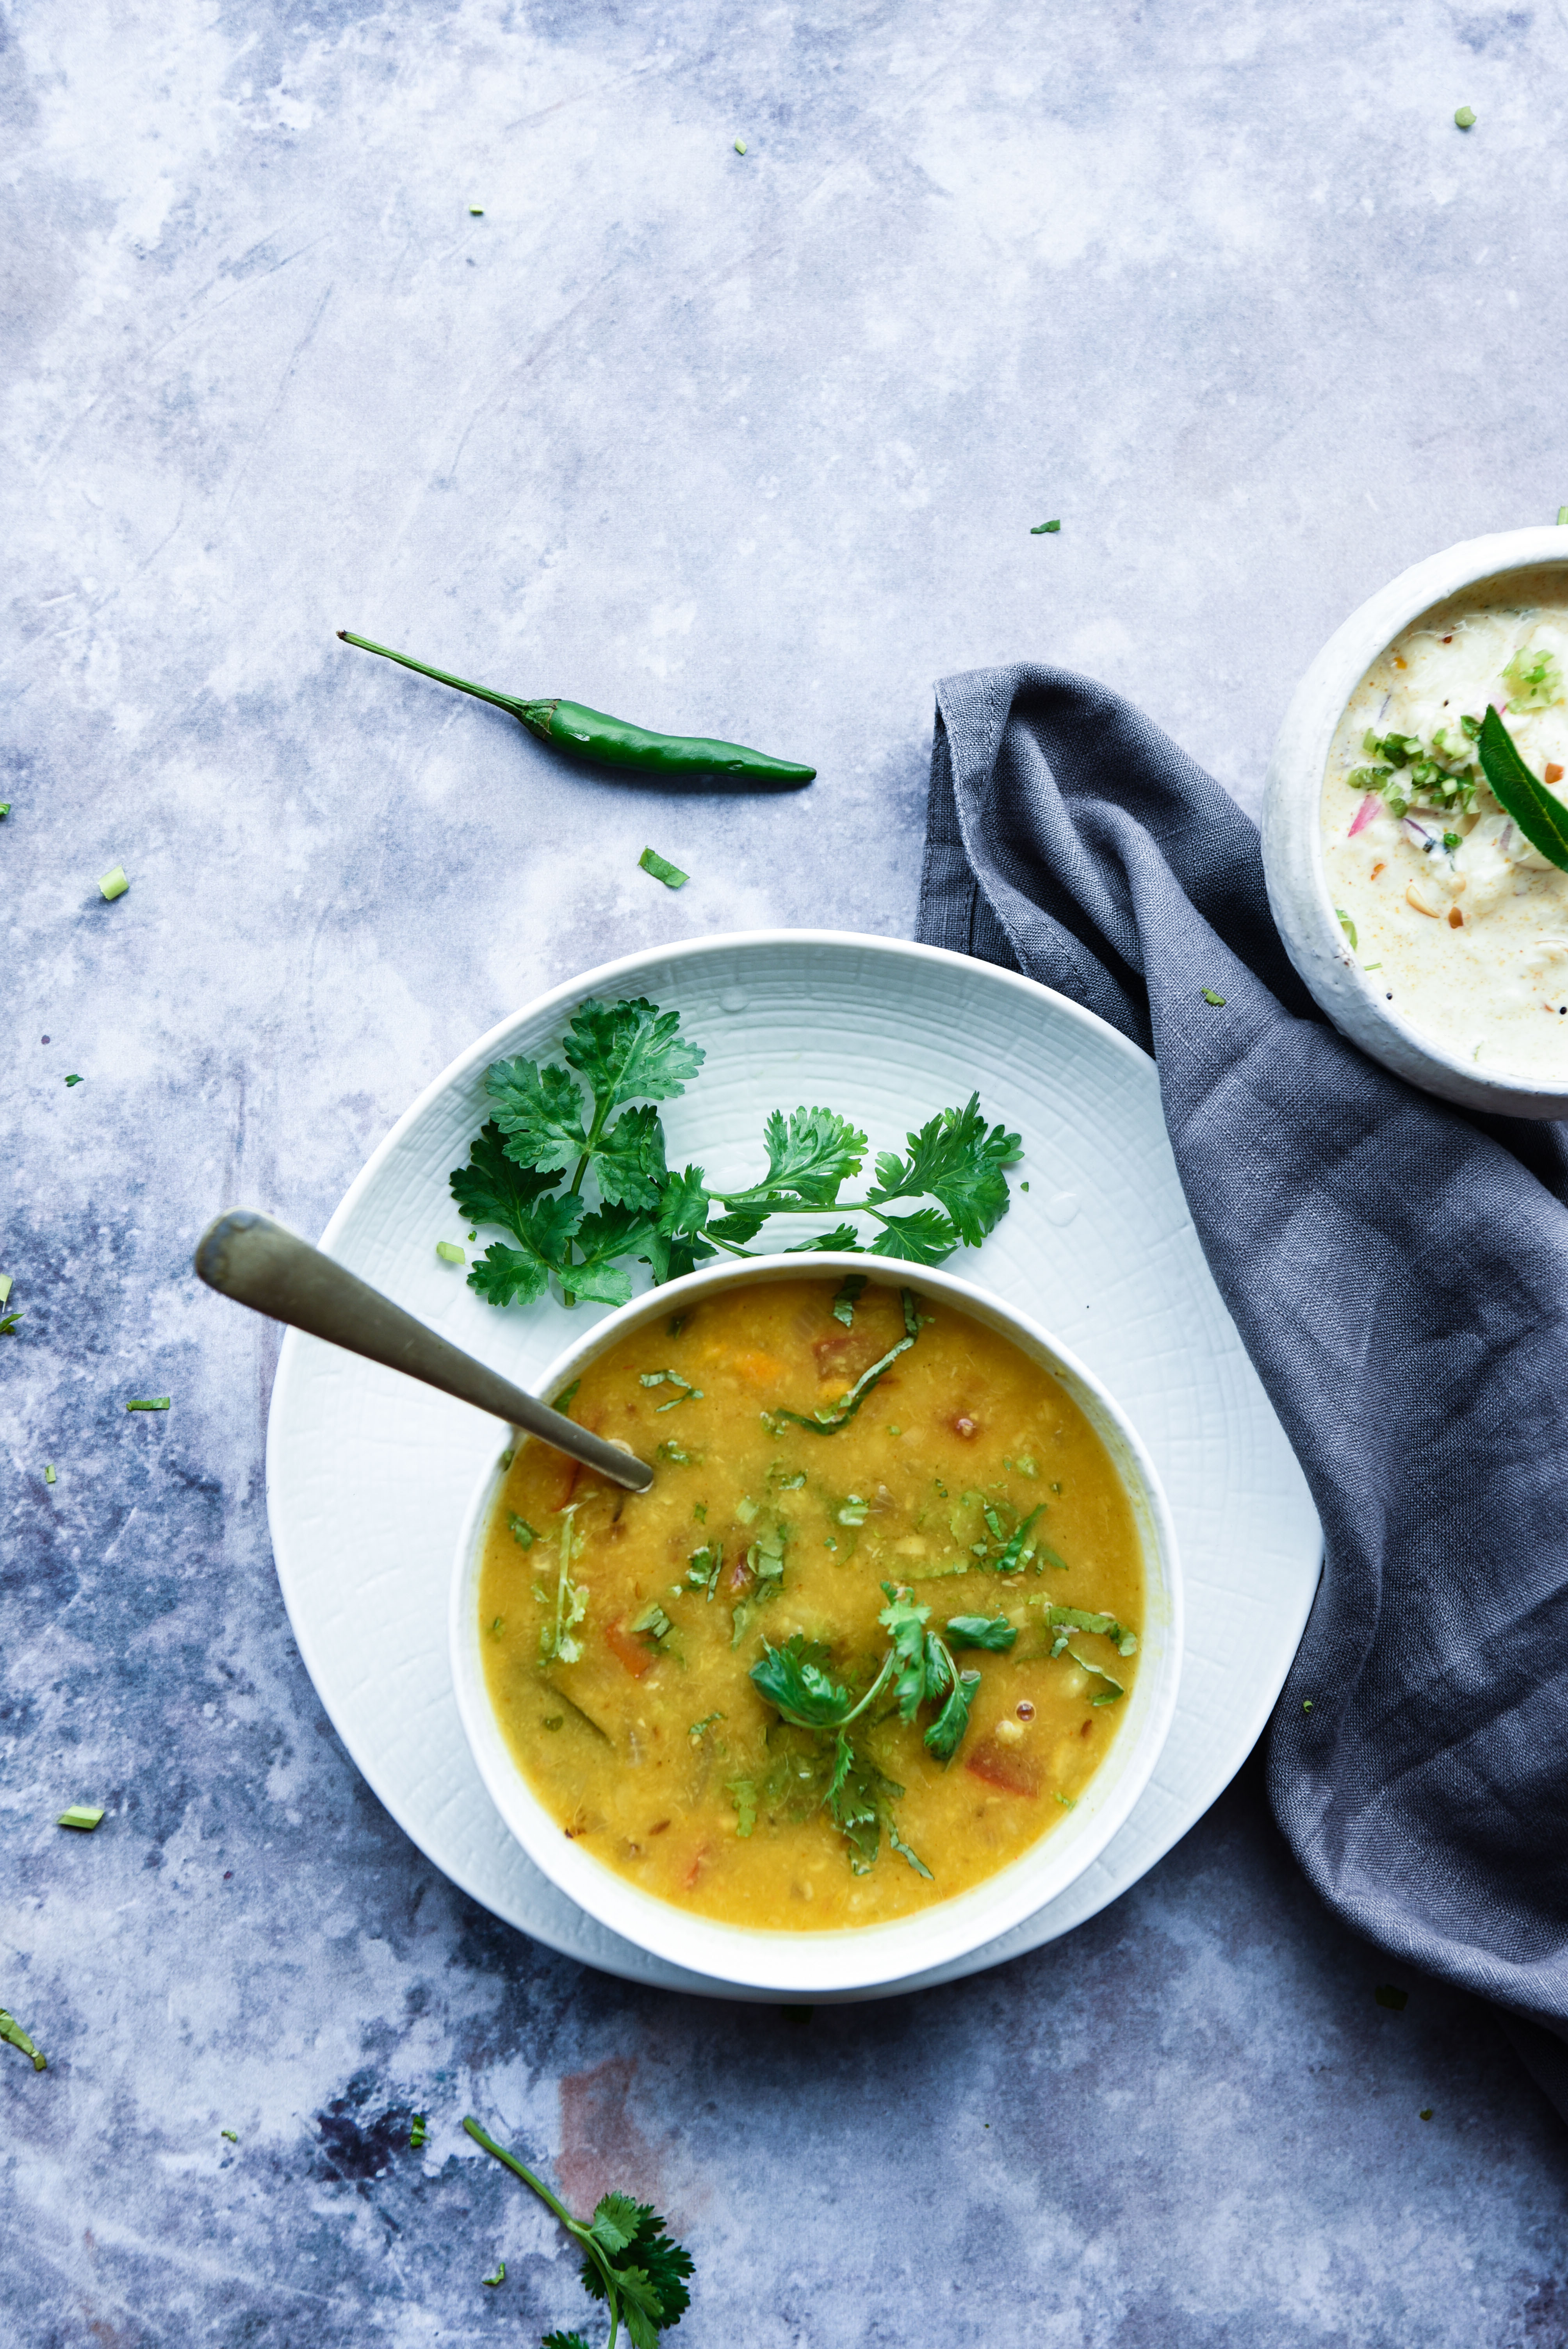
(864, 1642)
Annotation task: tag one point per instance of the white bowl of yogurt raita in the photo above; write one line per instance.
(1429, 926)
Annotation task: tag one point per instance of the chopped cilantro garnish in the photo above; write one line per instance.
(699, 1729)
(13, 2033)
(5, 810)
(679, 1455)
(981, 1632)
(630, 2263)
(499, 2277)
(1345, 924)
(1044, 529)
(742, 1793)
(521, 1532)
(663, 870)
(688, 1393)
(843, 1306)
(558, 1642)
(1217, 1001)
(73, 1080)
(417, 2132)
(653, 1625)
(554, 1720)
(563, 1401)
(233, 2135)
(1067, 1802)
(149, 1402)
(1425, 2112)
(449, 1252)
(84, 1815)
(114, 884)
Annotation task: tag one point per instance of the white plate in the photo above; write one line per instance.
(369, 1476)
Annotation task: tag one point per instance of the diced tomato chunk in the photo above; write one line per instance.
(628, 1649)
(1016, 1771)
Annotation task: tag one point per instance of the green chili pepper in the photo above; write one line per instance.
(588, 734)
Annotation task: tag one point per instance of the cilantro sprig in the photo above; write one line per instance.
(572, 1166)
(629, 2260)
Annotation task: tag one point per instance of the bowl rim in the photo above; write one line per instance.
(1293, 832)
(849, 1959)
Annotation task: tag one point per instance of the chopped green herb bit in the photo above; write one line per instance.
(417, 2132)
(476, 212)
(688, 1393)
(5, 810)
(675, 1324)
(115, 885)
(1307, 1704)
(149, 1402)
(1465, 118)
(1045, 529)
(232, 2135)
(700, 1728)
(1387, 1995)
(8, 1323)
(554, 1720)
(843, 1306)
(1067, 1802)
(49, 1472)
(499, 2277)
(450, 1253)
(699, 1511)
(521, 1532)
(678, 1454)
(508, 1457)
(1425, 2114)
(73, 1080)
(994, 1633)
(1217, 1001)
(663, 870)
(498, 1627)
(13, 2033)
(742, 1793)
(1345, 924)
(652, 1624)
(740, 145)
(80, 1815)
(563, 1401)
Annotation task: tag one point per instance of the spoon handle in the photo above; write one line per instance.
(247, 1257)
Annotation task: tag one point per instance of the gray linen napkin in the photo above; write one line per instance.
(1398, 1273)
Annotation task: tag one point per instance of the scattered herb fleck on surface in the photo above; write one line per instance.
(1217, 1001)
(417, 2132)
(83, 1815)
(233, 2135)
(73, 1080)
(13, 2033)
(663, 870)
(150, 1403)
(449, 1252)
(629, 2262)
(1045, 529)
(499, 2277)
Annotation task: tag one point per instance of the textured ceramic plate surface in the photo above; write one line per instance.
(369, 1476)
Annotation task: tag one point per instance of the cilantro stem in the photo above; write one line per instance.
(581, 2234)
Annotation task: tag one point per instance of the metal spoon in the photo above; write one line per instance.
(247, 1257)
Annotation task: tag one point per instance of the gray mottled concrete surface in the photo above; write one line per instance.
(749, 445)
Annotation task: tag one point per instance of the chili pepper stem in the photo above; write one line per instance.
(509, 702)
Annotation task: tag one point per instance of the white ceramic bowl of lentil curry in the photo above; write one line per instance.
(874, 1671)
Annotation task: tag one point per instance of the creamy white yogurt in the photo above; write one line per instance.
(1455, 917)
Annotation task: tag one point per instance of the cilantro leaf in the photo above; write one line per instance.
(675, 1245)
(545, 1232)
(738, 1224)
(849, 1291)
(492, 1188)
(926, 1237)
(563, 2341)
(630, 1051)
(945, 1732)
(617, 2220)
(842, 1238)
(791, 1679)
(981, 1632)
(953, 1159)
(905, 1625)
(811, 1153)
(629, 1161)
(540, 1111)
(1078, 1619)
